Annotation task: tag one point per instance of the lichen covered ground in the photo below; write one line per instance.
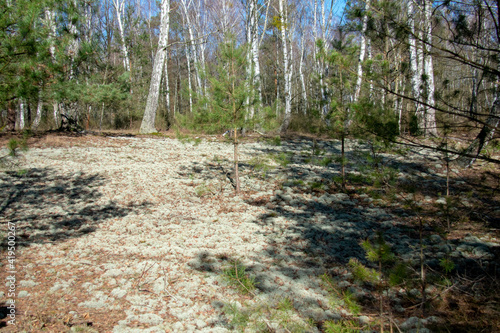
(128, 234)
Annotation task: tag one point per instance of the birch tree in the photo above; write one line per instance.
(362, 52)
(119, 6)
(321, 30)
(415, 71)
(283, 26)
(148, 120)
(254, 40)
(301, 74)
(429, 121)
(50, 21)
(186, 4)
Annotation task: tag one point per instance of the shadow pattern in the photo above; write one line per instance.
(46, 205)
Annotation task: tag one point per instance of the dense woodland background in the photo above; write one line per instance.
(387, 68)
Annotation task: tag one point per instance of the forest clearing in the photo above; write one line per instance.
(145, 234)
(250, 165)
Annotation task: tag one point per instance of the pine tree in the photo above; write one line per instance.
(22, 54)
(226, 104)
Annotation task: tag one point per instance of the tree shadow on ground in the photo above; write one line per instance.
(46, 205)
(311, 232)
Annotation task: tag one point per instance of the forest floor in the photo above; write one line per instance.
(122, 233)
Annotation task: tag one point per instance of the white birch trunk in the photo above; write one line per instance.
(167, 83)
(194, 53)
(38, 117)
(50, 18)
(190, 84)
(415, 71)
(74, 45)
(148, 121)
(21, 123)
(320, 67)
(430, 113)
(302, 77)
(256, 64)
(362, 52)
(71, 110)
(120, 9)
(287, 69)
(249, 67)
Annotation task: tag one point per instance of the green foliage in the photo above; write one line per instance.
(235, 274)
(413, 125)
(225, 104)
(351, 303)
(13, 145)
(21, 50)
(363, 273)
(238, 317)
(263, 316)
(285, 304)
(399, 274)
(266, 120)
(380, 251)
(341, 58)
(377, 121)
(259, 163)
(326, 161)
(202, 190)
(447, 265)
(316, 186)
(283, 159)
(338, 297)
(275, 141)
(342, 326)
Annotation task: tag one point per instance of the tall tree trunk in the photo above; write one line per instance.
(50, 19)
(192, 44)
(167, 86)
(148, 121)
(319, 34)
(415, 72)
(254, 41)
(430, 113)
(71, 109)
(38, 117)
(302, 77)
(21, 114)
(190, 84)
(250, 71)
(287, 68)
(120, 10)
(362, 52)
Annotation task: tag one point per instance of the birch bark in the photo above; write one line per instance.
(190, 84)
(287, 69)
(148, 120)
(71, 110)
(414, 60)
(167, 83)
(21, 123)
(120, 9)
(50, 18)
(318, 32)
(362, 53)
(302, 77)
(194, 53)
(38, 117)
(429, 114)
